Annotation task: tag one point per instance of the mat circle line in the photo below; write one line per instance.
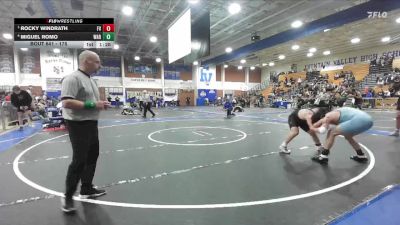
(19, 174)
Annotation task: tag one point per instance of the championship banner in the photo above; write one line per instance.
(6, 59)
(29, 61)
(56, 64)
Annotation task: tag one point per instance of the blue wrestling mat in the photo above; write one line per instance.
(382, 209)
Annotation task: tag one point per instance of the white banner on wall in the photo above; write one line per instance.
(328, 68)
(142, 83)
(108, 81)
(356, 57)
(244, 87)
(207, 78)
(7, 79)
(239, 86)
(363, 57)
(179, 84)
(56, 64)
(30, 79)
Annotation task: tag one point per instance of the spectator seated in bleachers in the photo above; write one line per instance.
(337, 76)
(379, 81)
(318, 91)
(394, 88)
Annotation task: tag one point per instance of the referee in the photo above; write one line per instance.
(82, 105)
(147, 101)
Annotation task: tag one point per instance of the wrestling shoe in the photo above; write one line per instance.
(359, 158)
(394, 134)
(318, 150)
(284, 149)
(67, 205)
(322, 159)
(91, 193)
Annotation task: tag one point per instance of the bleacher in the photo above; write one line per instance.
(331, 76)
(383, 88)
(396, 63)
(295, 76)
(376, 71)
(266, 92)
(369, 81)
(364, 74)
(360, 71)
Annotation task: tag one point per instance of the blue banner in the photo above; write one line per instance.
(210, 94)
(110, 67)
(53, 94)
(173, 72)
(179, 68)
(172, 75)
(142, 68)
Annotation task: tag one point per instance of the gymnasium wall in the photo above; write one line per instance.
(45, 69)
(319, 60)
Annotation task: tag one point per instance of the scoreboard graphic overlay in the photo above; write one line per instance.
(64, 32)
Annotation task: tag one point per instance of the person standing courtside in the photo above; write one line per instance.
(188, 101)
(147, 104)
(396, 132)
(141, 106)
(82, 105)
(396, 89)
(22, 100)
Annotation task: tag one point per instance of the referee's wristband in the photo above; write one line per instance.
(89, 105)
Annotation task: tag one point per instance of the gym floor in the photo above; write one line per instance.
(193, 166)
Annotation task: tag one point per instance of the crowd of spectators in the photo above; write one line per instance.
(383, 62)
(38, 101)
(387, 78)
(316, 89)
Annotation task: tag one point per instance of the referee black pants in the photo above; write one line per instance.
(228, 112)
(141, 105)
(147, 107)
(84, 138)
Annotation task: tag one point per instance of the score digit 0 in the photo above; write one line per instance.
(108, 27)
(108, 36)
